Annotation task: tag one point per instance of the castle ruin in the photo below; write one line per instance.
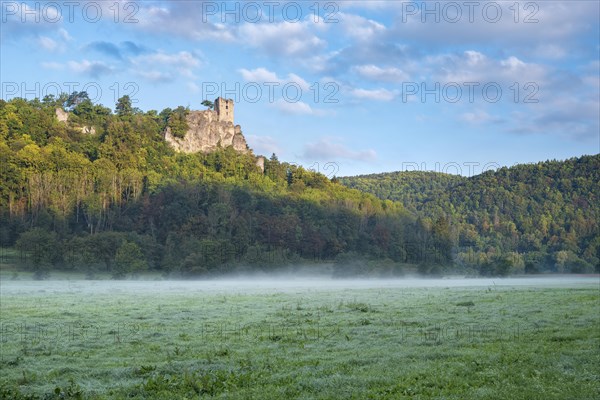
(224, 109)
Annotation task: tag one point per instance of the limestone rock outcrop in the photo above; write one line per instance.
(62, 115)
(208, 129)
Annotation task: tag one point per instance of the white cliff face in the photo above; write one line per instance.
(205, 132)
(260, 163)
(62, 115)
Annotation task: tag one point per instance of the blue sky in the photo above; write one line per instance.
(344, 87)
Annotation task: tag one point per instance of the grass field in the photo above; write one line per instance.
(476, 339)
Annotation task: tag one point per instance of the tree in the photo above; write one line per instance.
(209, 104)
(85, 110)
(75, 99)
(177, 121)
(561, 259)
(442, 241)
(129, 259)
(164, 115)
(43, 249)
(123, 107)
(104, 246)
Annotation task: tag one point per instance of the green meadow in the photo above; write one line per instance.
(440, 339)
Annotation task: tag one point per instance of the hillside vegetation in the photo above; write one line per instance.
(121, 201)
(117, 200)
(533, 217)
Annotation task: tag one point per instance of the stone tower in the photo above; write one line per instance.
(224, 109)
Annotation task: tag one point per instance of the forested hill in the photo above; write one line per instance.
(103, 193)
(540, 216)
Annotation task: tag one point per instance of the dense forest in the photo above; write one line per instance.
(117, 199)
(104, 193)
(532, 217)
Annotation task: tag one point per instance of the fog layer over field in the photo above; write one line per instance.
(290, 283)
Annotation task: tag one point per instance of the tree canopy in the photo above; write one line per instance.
(535, 217)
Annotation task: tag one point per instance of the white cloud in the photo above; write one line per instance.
(156, 76)
(262, 75)
(259, 75)
(64, 35)
(513, 63)
(182, 59)
(263, 144)
(298, 108)
(550, 51)
(92, 68)
(376, 94)
(556, 22)
(591, 76)
(282, 38)
(474, 58)
(360, 28)
(370, 4)
(478, 117)
(331, 149)
(55, 45)
(576, 117)
(473, 66)
(567, 96)
(182, 18)
(297, 79)
(183, 62)
(52, 65)
(193, 87)
(48, 44)
(376, 73)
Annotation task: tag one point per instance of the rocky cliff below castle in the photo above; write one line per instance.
(205, 133)
(209, 129)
